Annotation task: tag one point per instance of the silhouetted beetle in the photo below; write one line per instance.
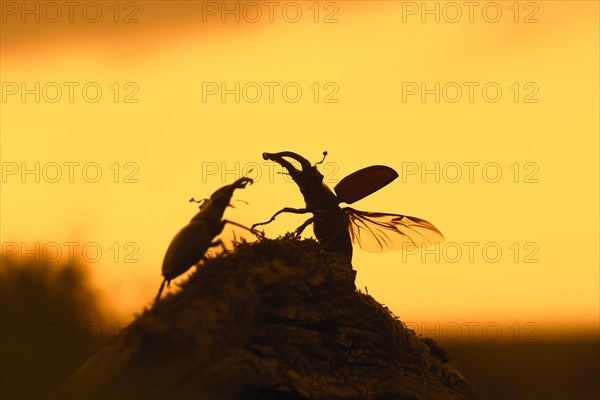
(191, 243)
(338, 227)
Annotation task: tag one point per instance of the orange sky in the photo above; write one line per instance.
(152, 125)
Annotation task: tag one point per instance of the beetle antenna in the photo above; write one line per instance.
(201, 202)
(240, 200)
(321, 162)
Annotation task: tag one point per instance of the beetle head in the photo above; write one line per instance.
(224, 194)
(308, 175)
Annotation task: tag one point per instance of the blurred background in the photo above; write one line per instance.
(114, 114)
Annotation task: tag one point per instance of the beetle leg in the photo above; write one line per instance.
(216, 243)
(251, 230)
(302, 227)
(286, 209)
(160, 290)
(226, 221)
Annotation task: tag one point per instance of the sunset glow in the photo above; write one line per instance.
(108, 128)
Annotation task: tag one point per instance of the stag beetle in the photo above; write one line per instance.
(336, 227)
(191, 243)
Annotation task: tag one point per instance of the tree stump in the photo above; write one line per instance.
(274, 319)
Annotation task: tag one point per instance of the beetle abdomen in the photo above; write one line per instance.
(186, 249)
(331, 228)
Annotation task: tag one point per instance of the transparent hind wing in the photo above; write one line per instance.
(379, 232)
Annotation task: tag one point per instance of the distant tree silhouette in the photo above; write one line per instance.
(50, 322)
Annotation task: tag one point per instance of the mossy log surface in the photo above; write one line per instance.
(274, 319)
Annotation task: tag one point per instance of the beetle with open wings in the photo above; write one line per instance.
(336, 227)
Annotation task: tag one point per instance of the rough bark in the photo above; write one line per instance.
(275, 319)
